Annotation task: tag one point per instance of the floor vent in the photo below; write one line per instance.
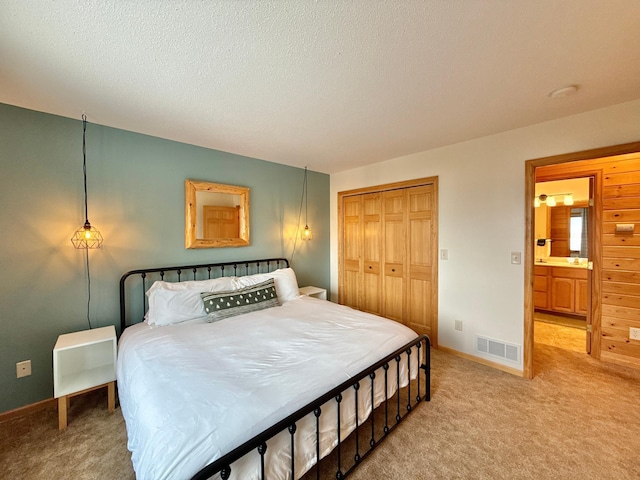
(498, 348)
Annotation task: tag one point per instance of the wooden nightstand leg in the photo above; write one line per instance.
(111, 393)
(63, 402)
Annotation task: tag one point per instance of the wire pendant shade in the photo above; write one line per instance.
(87, 236)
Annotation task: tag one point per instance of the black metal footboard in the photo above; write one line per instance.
(397, 405)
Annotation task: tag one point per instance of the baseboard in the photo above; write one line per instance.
(27, 409)
(483, 361)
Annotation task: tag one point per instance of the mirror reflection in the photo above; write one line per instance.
(569, 231)
(217, 215)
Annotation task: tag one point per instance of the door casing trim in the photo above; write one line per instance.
(530, 168)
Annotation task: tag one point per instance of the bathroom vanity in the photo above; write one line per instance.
(561, 288)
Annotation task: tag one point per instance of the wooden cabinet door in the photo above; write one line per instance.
(372, 236)
(540, 291)
(352, 252)
(582, 296)
(421, 261)
(394, 204)
(562, 294)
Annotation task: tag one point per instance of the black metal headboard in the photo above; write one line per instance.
(147, 276)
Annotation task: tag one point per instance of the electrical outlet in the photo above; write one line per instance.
(634, 333)
(444, 254)
(516, 258)
(23, 369)
(458, 325)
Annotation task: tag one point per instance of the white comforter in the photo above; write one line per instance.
(191, 392)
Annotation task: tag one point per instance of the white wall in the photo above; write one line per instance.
(481, 215)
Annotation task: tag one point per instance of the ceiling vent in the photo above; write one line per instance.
(497, 348)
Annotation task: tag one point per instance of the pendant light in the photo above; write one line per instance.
(87, 236)
(306, 233)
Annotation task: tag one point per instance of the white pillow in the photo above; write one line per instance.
(210, 285)
(180, 301)
(284, 278)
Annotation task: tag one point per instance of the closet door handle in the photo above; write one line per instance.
(370, 267)
(393, 269)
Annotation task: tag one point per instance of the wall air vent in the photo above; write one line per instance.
(498, 348)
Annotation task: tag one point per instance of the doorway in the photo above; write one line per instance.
(580, 164)
(563, 237)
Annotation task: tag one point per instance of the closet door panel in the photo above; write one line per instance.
(395, 207)
(393, 298)
(351, 285)
(393, 280)
(371, 207)
(351, 291)
(422, 315)
(419, 315)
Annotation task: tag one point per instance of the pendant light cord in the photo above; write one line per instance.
(86, 251)
(297, 231)
(306, 200)
(84, 165)
(86, 214)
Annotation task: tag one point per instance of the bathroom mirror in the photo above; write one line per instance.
(216, 215)
(569, 231)
(562, 217)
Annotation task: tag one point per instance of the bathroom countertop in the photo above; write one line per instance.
(560, 263)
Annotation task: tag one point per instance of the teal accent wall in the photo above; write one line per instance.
(136, 199)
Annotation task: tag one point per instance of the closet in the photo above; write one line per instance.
(388, 252)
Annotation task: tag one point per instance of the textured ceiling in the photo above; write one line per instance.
(330, 84)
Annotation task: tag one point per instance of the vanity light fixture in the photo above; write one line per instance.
(306, 233)
(550, 200)
(87, 236)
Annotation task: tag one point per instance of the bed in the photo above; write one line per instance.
(262, 392)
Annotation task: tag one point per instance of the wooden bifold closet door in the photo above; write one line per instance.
(388, 252)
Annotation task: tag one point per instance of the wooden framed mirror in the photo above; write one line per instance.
(216, 215)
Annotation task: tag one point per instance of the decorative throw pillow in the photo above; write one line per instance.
(219, 305)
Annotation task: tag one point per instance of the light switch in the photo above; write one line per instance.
(444, 254)
(516, 258)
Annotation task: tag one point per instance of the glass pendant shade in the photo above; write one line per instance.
(306, 234)
(536, 202)
(87, 237)
(551, 202)
(568, 199)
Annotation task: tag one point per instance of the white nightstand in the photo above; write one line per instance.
(316, 292)
(84, 361)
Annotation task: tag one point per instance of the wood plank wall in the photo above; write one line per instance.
(619, 288)
(620, 260)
